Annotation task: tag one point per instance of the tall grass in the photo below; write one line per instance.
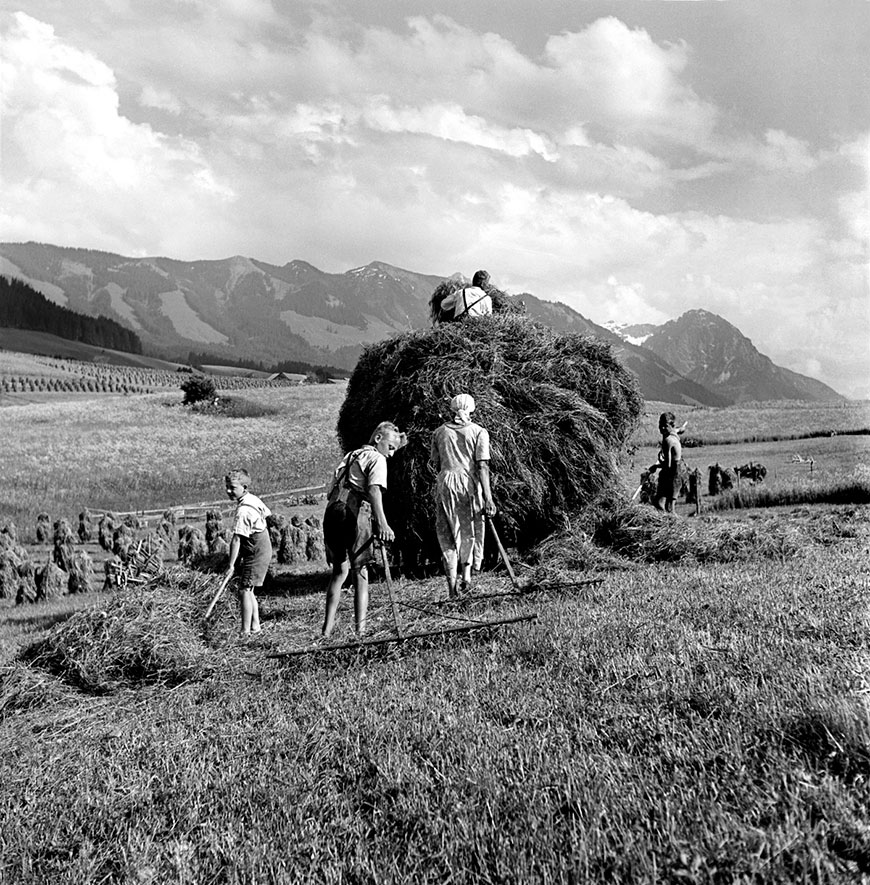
(847, 491)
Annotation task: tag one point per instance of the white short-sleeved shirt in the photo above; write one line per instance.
(251, 515)
(368, 468)
(471, 301)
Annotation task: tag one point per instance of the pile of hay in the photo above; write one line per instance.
(86, 527)
(145, 634)
(22, 688)
(559, 408)
(122, 540)
(16, 571)
(43, 528)
(64, 546)
(106, 531)
(52, 582)
(191, 544)
(294, 539)
(621, 534)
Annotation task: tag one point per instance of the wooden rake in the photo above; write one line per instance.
(502, 552)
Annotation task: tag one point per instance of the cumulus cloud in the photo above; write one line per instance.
(161, 99)
(70, 158)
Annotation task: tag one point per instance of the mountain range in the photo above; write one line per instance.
(242, 308)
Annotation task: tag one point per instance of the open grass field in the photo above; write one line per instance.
(674, 722)
(149, 452)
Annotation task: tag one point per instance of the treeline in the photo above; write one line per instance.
(291, 367)
(22, 307)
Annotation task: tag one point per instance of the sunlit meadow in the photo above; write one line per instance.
(148, 452)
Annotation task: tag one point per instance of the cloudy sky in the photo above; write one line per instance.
(632, 158)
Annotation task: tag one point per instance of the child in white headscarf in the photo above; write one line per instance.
(463, 497)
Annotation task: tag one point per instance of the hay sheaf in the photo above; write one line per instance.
(558, 409)
(148, 633)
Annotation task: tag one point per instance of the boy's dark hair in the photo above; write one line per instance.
(667, 419)
(480, 278)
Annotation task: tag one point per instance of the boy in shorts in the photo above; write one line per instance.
(250, 548)
(356, 492)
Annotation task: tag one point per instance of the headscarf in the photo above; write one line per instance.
(462, 405)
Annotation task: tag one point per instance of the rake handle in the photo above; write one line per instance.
(389, 579)
(502, 551)
(216, 597)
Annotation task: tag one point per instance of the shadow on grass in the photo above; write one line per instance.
(295, 585)
(832, 741)
(43, 621)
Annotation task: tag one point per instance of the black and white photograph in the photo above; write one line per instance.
(435, 442)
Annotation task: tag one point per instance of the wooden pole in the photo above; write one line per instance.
(314, 649)
(217, 596)
(389, 580)
(502, 551)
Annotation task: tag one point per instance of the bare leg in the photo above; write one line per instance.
(255, 612)
(333, 596)
(466, 575)
(449, 559)
(248, 601)
(361, 599)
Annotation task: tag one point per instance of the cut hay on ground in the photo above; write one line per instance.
(558, 408)
(623, 532)
(23, 688)
(147, 633)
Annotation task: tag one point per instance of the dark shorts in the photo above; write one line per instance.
(255, 557)
(669, 485)
(347, 532)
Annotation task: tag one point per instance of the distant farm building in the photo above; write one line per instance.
(285, 378)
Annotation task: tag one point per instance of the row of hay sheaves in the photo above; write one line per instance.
(69, 569)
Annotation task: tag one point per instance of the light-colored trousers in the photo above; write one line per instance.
(459, 519)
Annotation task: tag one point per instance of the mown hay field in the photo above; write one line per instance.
(144, 452)
(676, 722)
(755, 422)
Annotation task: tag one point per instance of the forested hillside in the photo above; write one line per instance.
(22, 307)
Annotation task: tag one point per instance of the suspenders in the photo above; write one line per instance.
(468, 306)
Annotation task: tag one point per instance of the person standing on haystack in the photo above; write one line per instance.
(463, 497)
(468, 301)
